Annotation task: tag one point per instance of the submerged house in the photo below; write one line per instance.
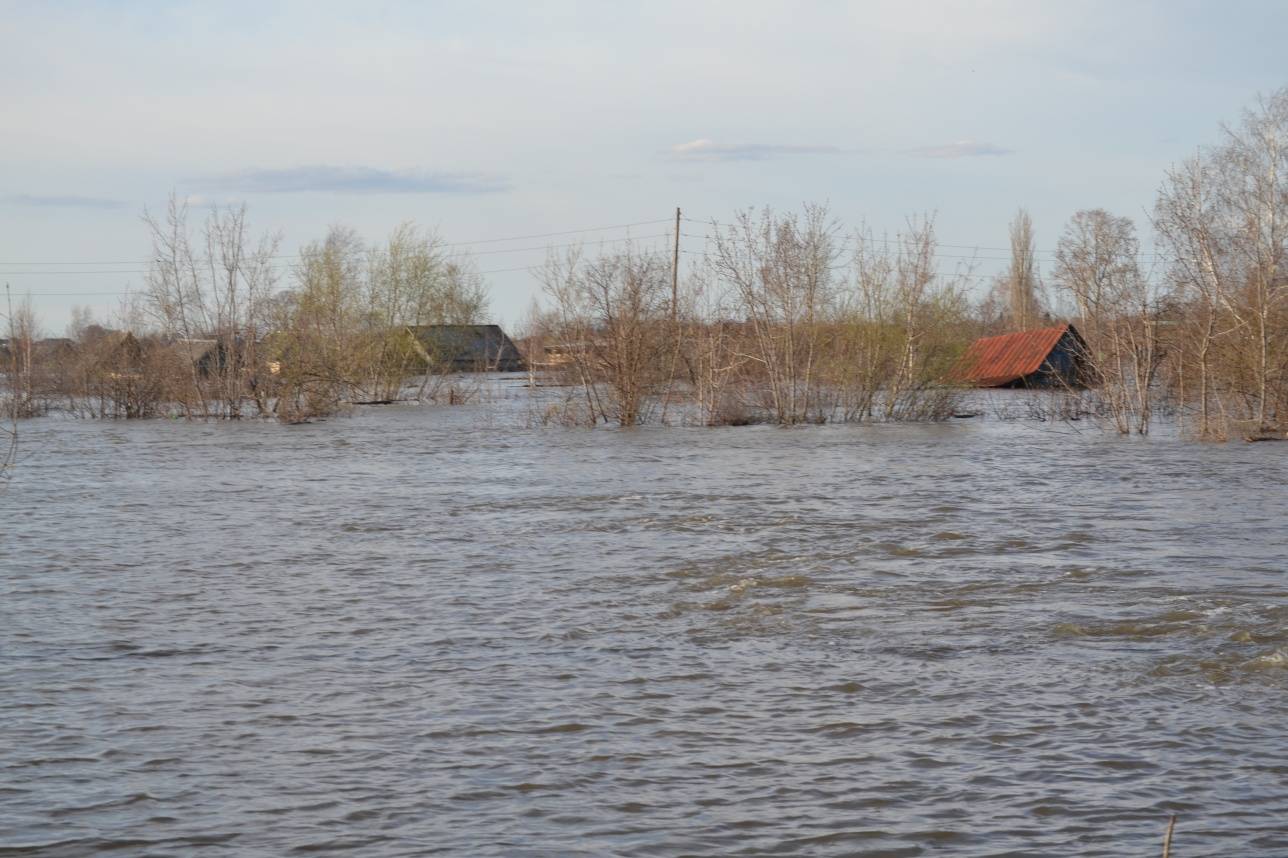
(1048, 357)
(207, 357)
(469, 348)
(119, 352)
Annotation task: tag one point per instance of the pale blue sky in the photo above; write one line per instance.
(489, 120)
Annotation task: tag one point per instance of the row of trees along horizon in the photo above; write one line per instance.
(787, 317)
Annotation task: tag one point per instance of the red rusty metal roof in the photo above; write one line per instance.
(995, 361)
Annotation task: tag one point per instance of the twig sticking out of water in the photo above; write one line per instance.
(1167, 838)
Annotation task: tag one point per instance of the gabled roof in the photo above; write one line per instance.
(196, 351)
(995, 361)
(469, 346)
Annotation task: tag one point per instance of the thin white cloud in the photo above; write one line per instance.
(62, 201)
(961, 149)
(710, 150)
(356, 180)
(202, 201)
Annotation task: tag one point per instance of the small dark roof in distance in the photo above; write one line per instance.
(471, 347)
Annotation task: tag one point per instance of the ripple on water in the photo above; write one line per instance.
(396, 634)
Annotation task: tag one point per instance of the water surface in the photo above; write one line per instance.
(425, 631)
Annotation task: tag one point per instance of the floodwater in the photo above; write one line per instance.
(424, 631)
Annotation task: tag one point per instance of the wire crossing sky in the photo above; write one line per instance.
(517, 122)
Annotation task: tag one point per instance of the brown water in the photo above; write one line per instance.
(417, 631)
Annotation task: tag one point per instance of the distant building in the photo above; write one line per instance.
(1048, 357)
(120, 351)
(53, 350)
(207, 357)
(469, 348)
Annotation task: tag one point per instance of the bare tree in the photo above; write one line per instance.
(1185, 222)
(713, 352)
(312, 350)
(23, 399)
(779, 272)
(412, 281)
(210, 304)
(350, 329)
(1222, 220)
(613, 322)
(901, 327)
(9, 436)
(1254, 194)
(1097, 266)
(1020, 282)
(242, 279)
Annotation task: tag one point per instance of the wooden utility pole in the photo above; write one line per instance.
(675, 270)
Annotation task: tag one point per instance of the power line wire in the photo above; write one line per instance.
(529, 236)
(529, 268)
(287, 268)
(1150, 255)
(143, 291)
(440, 244)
